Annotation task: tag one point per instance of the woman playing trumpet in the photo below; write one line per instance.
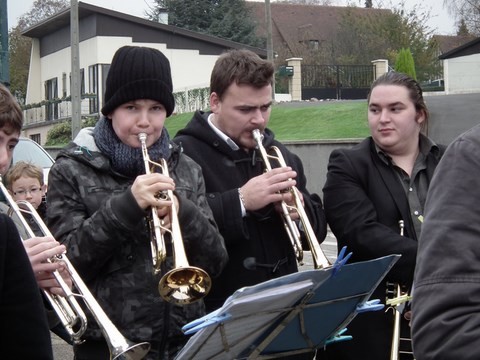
(100, 202)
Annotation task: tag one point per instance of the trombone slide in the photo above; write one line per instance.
(67, 307)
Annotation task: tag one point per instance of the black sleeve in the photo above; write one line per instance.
(23, 323)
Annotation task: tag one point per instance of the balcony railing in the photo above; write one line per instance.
(188, 100)
(58, 109)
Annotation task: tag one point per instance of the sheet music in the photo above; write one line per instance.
(250, 316)
(266, 319)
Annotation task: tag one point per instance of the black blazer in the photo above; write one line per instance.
(364, 201)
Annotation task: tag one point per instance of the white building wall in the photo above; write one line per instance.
(190, 70)
(34, 83)
(462, 74)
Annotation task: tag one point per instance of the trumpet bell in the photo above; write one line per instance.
(129, 351)
(184, 285)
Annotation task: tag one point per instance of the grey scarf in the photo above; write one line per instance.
(125, 159)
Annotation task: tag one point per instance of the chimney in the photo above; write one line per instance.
(163, 16)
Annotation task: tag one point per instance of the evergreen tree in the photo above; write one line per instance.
(228, 19)
(405, 63)
(463, 29)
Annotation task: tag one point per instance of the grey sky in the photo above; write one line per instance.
(440, 20)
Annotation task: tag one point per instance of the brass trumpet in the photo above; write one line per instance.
(67, 307)
(183, 284)
(396, 299)
(320, 261)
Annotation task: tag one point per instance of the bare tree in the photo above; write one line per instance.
(466, 12)
(20, 45)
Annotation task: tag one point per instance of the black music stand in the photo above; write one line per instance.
(289, 315)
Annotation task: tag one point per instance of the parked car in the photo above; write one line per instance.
(30, 151)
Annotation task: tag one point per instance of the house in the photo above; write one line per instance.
(305, 39)
(299, 28)
(450, 42)
(461, 68)
(101, 33)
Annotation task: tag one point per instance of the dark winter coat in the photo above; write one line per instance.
(260, 234)
(445, 316)
(92, 211)
(364, 202)
(23, 323)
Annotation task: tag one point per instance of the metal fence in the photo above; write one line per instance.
(336, 81)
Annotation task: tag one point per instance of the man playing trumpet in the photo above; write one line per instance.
(245, 199)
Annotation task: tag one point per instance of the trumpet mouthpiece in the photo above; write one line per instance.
(142, 137)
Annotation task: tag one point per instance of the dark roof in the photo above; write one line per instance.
(113, 23)
(450, 42)
(470, 48)
(293, 23)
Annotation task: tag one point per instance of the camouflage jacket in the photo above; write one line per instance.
(92, 211)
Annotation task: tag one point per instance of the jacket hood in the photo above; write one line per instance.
(199, 128)
(84, 149)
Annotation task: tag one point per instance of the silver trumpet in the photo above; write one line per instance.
(320, 261)
(67, 307)
(183, 284)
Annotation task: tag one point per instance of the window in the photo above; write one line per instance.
(64, 85)
(93, 88)
(82, 81)
(37, 138)
(51, 93)
(105, 69)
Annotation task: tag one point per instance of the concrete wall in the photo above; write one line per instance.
(314, 156)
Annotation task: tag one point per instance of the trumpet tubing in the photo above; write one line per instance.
(184, 284)
(67, 307)
(396, 298)
(319, 258)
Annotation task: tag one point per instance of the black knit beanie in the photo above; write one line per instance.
(138, 73)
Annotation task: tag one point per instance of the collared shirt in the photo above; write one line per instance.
(224, 136)
(416, 185)
(233, 146)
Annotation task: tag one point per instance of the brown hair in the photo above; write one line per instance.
(242, 67)
(11, 116)
(414, 90)
(26, 169)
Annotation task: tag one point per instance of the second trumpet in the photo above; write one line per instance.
(319, 259)
(184, 284)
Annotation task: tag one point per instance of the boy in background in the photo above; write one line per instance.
(25, 183)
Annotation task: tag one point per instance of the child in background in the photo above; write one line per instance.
(25, 183)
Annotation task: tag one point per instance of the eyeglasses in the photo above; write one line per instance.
(32, 191)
